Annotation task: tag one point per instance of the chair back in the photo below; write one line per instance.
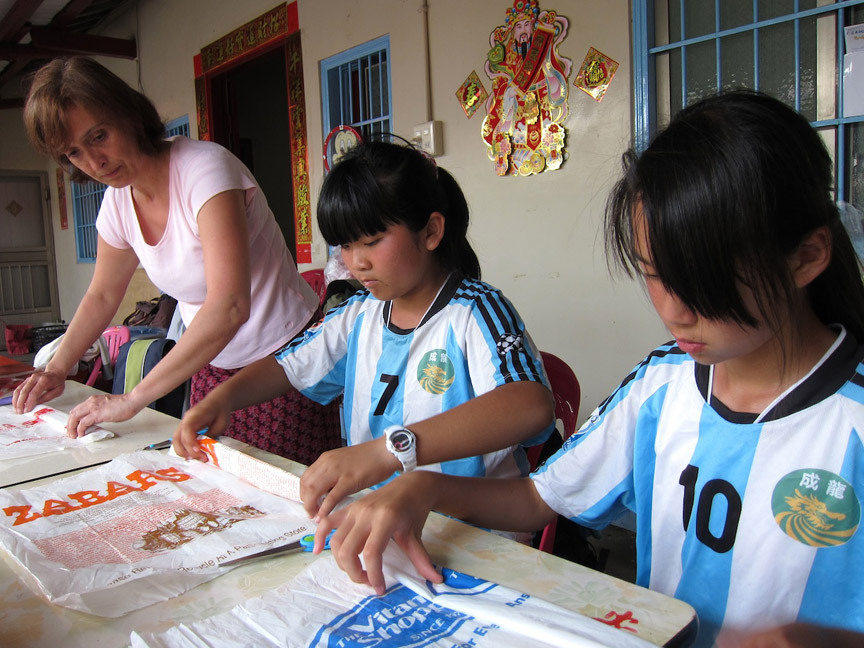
(566, 389)
(568, 394)
(114, 337)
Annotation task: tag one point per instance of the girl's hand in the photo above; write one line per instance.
(341, 472)
(209, 413)
(39, 387)
(397, 510)
(96, 409)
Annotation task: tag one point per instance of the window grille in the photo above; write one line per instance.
(179, 126)
(86, 199)
(791, 49)
(355, 88)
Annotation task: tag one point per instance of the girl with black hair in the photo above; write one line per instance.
(739, 444)
(435, 367)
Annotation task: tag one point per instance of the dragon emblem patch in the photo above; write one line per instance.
(817, 508)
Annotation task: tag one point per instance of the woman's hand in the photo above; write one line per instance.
(397, 510)
(210, 413)
(39, 387)
(96, 409)
(341, 472)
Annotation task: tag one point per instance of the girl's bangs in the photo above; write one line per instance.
(352, 205)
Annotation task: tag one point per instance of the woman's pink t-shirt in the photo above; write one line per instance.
(282, 302)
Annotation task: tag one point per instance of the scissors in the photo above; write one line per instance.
(306, 543)
(161, 445)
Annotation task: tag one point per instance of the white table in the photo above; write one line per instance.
(26, 619)
(146, 427)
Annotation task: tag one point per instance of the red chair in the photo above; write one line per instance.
(115, 337)
(315, 278)
(567, 393)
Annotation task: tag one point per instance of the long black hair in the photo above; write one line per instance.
(378, 184)
(728, 191)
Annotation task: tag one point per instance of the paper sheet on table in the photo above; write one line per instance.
(138, 530)
(322, 607)
(40, 432)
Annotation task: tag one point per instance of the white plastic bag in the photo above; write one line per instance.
(141, 529)
(41, 431)
(322, 607)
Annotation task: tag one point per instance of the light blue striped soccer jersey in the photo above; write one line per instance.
(471, 341)
(753, 524)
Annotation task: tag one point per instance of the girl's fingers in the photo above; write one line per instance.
(418, 555)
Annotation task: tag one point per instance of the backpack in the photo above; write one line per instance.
(135, 360)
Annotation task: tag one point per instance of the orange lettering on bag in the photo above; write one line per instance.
(57, 507)
(173, 474)
(144, 477)
(88, 498)
(116, 489)
(85, 499)
(22, 514)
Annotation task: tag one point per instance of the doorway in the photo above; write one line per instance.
(250, 118)
(28, 275)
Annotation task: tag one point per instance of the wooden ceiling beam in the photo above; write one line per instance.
(70, 12)
(64, 42)
(15, 52)
(55, 40)
(17, 17)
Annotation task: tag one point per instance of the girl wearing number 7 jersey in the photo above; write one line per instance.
(435, 367)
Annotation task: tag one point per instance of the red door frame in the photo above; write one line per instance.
(278, 28)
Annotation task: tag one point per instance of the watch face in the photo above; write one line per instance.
(401, 441)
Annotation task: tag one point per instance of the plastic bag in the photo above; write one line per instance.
(322, 607)
(139, 530)
(335, 267)
(41, 431)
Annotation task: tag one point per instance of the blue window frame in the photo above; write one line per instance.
(179, 126)
(86, 199)
(355, 89)
(791, 49)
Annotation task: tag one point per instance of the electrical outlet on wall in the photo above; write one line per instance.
(429, 137)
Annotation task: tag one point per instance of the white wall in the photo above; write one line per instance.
(539, 239)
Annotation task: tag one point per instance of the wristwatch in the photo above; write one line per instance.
(402, 444)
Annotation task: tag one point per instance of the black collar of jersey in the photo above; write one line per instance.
(450, 286)
(837, 369)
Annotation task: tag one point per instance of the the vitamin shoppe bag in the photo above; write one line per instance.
(138, 530)
(321, 607)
